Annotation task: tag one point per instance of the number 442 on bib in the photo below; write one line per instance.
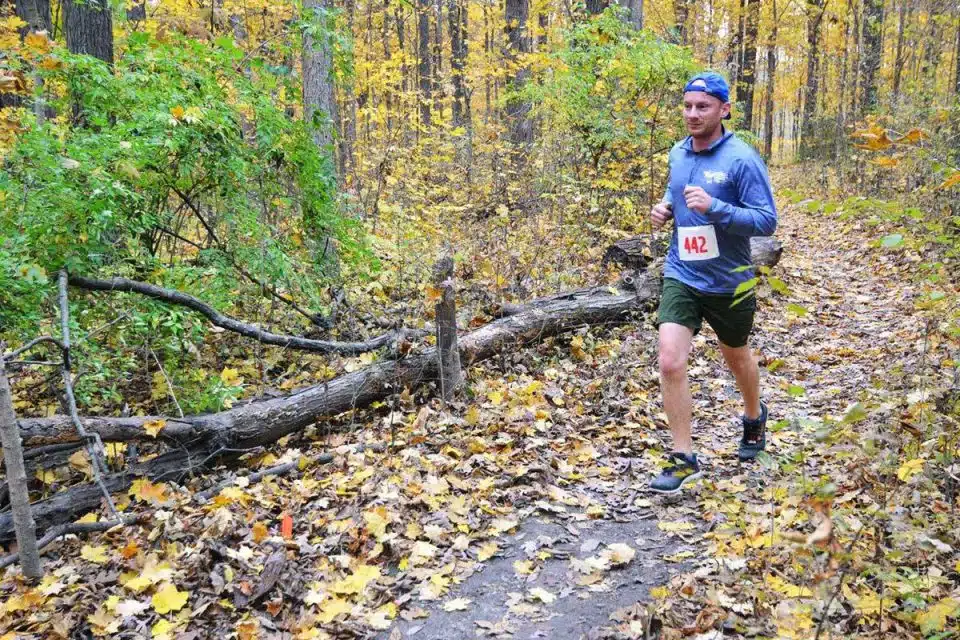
(697, 243)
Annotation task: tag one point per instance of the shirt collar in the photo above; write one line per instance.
(726, 135)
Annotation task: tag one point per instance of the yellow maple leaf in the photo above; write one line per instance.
(168, 599)
(259, 531)
(177, 112)
(333, 608)
(153, 427)
(46, 476)
(376, 522)
(487, 550)
(909, 469)
(357, 581)
(231, 377)
(523, 567)
(786, 588)
(934, 617)
(151, 574)
(162, 630)
(94, 554)
(951, 181)
(144, 490)
(673, 527)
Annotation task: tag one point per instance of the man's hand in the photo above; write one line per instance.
(660, 213)
(697, 199)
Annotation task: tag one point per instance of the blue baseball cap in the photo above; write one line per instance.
(712, 84)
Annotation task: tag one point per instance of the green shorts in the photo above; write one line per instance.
(687, 306)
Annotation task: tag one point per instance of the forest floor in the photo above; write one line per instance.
(524, 512)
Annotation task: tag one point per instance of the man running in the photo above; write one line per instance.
(718, 195)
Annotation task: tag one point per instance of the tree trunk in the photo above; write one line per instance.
(457, 15)
(89, 28)
(873, 51)
(735, 47)
(319, 103)
(956, 62)
(36, 13)
(451, 375)
(596, 6)
(815, 11)
(771, 85)
(898, 58)
(264, 422)
(21, 515)
(423, 61)
(348, 122)
(437, 50)
(747, 78)
(516, 14)
(137, 12)
(635, 12)
(681, 11)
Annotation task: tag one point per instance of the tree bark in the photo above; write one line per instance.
(596, 6)
(815, 11)
(898, 56)
(873, 51)
(681, 12)
(457, 15)
(516, 14)
(635, 12)
(21, 515)
(771, 85)
(425, 77)
(261, 423)
(747, 79)
(451, 376)
(956, 62)
(89, 28)
(36, 13)
(319, 103)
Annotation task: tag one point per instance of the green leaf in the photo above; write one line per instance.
(892, 240)
(937, 295)
(797, 310)
(776, 364)
(778, 285)
(855, 413)
(742, 268)
(746, 286)
(796, 390)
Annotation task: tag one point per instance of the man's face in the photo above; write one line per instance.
(702, 113)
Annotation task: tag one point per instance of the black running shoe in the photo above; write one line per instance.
(754, 438)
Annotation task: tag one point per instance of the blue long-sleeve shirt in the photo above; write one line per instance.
(735, 176)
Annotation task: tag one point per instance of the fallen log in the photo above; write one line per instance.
(206, 437)
(635, 252)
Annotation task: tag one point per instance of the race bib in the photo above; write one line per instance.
(697, 243)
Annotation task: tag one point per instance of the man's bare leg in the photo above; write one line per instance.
(675, 341)
(744, 367)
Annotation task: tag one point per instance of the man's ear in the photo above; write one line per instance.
(725, 109)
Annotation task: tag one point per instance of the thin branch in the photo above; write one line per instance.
(71, 528)
(94, 444)
(169, 384)
(13, 354)
(225, 322)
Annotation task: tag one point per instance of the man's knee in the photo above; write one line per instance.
(673, 362)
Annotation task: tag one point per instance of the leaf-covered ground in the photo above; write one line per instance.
(544, 468)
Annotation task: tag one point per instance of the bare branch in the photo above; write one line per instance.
(225, 322)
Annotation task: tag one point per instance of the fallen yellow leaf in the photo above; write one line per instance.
(168, 599)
